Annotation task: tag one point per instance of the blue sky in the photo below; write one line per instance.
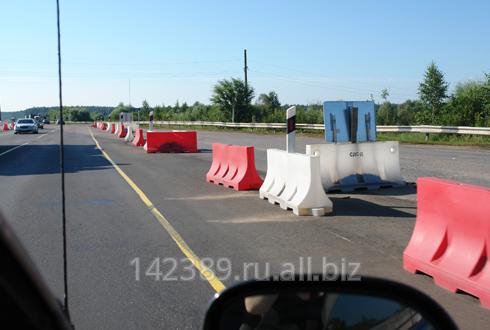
(306, 51)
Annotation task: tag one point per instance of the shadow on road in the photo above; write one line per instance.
(360, 208)
(45, 159)
(407, 189)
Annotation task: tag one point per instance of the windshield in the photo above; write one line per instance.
(206, 143)
(25, 121)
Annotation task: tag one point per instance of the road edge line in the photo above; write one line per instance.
(208, 274)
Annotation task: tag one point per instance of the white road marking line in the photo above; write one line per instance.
(339, 236)
(21, 145)
(12, 149)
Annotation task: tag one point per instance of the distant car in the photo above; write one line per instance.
(39, 123)
(46, 121)
(58, 122)
(26, 125)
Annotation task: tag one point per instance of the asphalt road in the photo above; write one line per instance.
(110, 230)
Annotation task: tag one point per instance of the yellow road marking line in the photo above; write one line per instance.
(217, 285)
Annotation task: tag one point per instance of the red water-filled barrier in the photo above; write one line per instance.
(12, 125)
(95, 125)
(6, 126)
(122, 132)
(139, 138)
(184, 141)
(113, 128)
(103, 126)
(234, 167)
(451, 238)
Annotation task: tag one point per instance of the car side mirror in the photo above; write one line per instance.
(369, 303)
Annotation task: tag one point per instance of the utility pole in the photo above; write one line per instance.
(129, 100)
(129, 91)
(245, 67)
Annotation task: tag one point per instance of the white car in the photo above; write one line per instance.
(26, 125)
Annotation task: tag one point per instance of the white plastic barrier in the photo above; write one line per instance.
(349, 166)
(108, 128)
(129, 135)
(293, 181)
(118, 127)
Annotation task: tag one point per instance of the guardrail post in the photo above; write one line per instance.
(291, 129)
(150, 125)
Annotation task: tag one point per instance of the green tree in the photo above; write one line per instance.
(469, 105)
(267, 106)
(269, 100)
(407, 112)
(114, 115)
(433, 92)
(386, 114)
(384, 94)
(234, 98)
(144, 111)
(79, 115)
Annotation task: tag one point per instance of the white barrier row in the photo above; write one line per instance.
(293, 181)
(348, 166)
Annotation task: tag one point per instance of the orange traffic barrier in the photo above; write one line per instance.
(6, 126)
(171, 142)
(113, 128)
(451, 238)
(139, 138)
(234, 167)
(122, 132)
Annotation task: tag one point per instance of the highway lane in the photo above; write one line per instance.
(109, 226)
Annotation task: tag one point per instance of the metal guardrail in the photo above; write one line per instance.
(427, 129)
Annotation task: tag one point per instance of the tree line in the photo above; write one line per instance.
(468, 105)
(233, 100)
(70, 113)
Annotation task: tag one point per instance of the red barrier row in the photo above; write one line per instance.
(451, 238)
(234, 167)
(178, 141)
(171, 142)
(6, 126)
(139, 139)
(122, 131)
